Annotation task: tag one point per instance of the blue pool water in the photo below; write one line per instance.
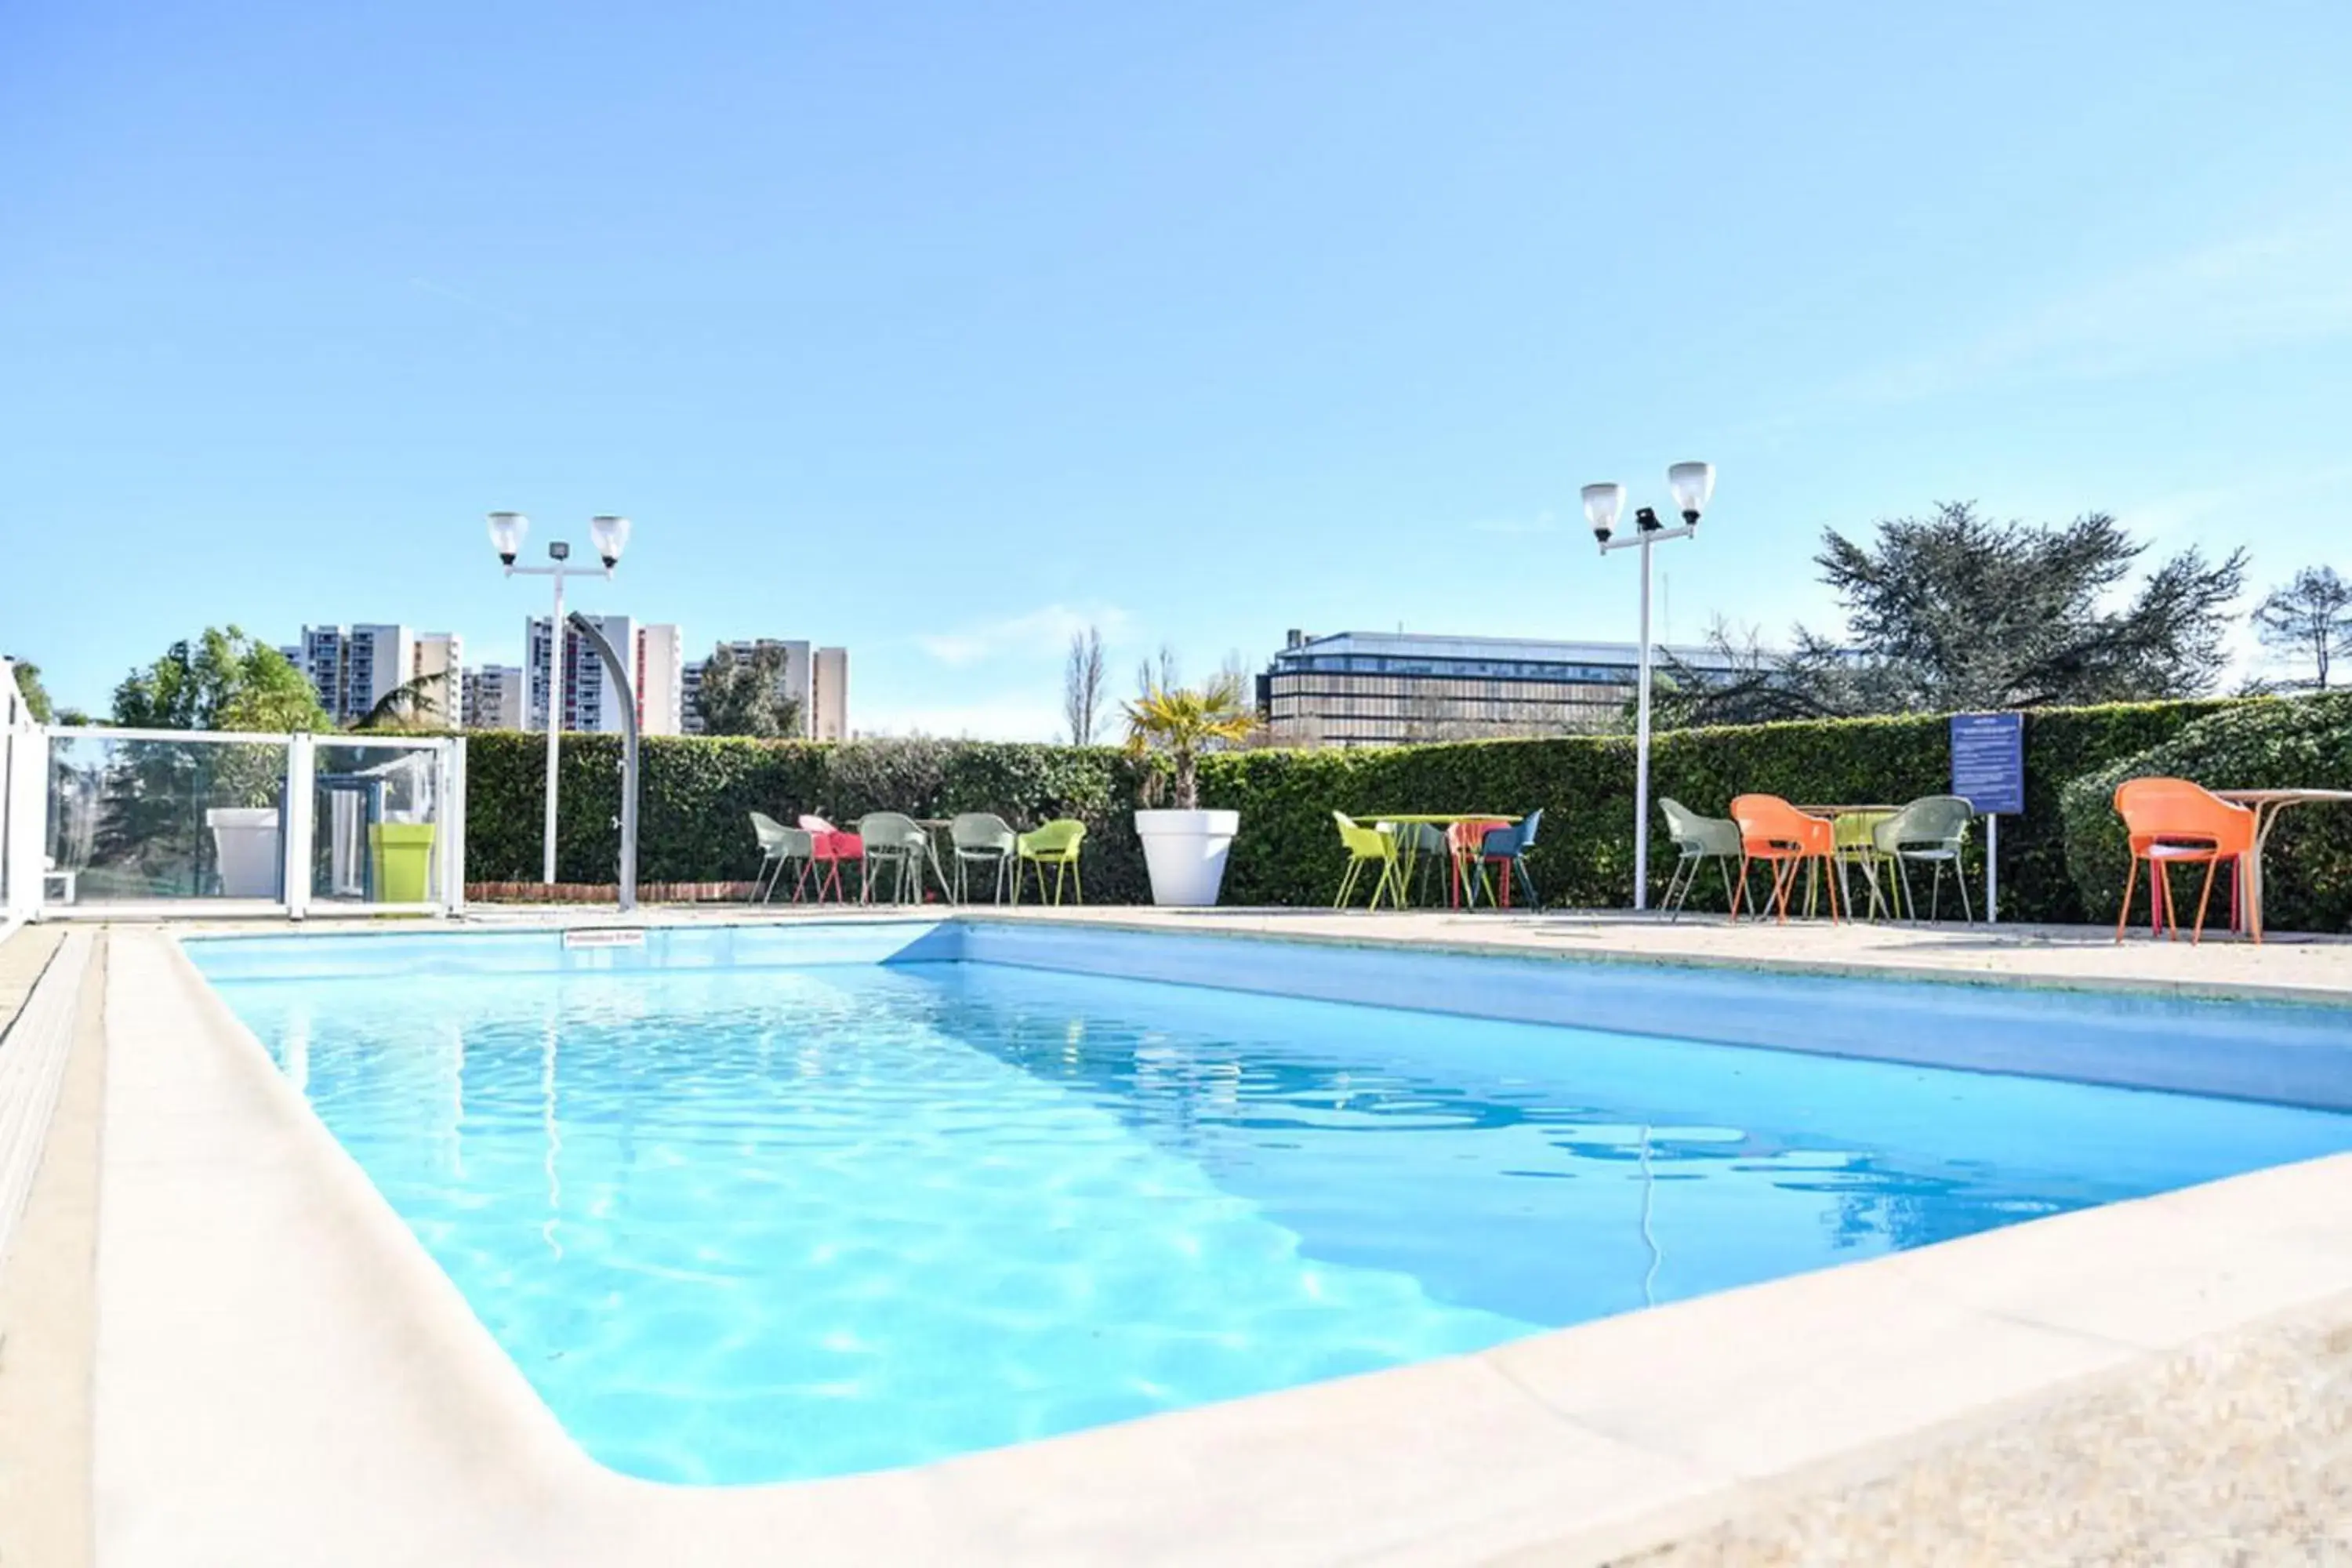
(744, 1225)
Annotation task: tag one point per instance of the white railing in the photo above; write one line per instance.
(20, 806)
(140, 823)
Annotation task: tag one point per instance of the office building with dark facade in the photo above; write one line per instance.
(1381, 688)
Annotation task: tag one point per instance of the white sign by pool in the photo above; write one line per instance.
(605, 936)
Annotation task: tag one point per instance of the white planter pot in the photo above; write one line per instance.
(245, 838)
(1185, 851)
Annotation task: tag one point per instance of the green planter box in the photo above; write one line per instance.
(404, 861)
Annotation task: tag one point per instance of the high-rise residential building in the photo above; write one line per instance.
(660, 657)
(436, 667)
(815, 680)
(353, 668)
(657, 670)
(493, 698)
(1372, 688)
(828, 709)
(589, 701)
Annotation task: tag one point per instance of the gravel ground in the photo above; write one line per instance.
(2238, 1451)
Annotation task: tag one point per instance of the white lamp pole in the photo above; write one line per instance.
(611, 536)
(1693, 484)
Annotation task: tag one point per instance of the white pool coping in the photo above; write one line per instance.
(283, 1376)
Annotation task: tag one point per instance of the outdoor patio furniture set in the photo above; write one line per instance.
(890, 844)
(1408, 849)
(1881, 842)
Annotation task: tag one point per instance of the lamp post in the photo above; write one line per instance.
(1692, 484)
(611, 536)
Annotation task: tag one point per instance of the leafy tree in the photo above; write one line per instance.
(742, 694)
(154, 795)
(2311, 616)
(1181, 724)
(223, 681)
(1082, 685)
(36, 695)
(1744, 683)
(1954, 612)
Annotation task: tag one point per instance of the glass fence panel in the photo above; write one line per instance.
(376, 824)
(138, 821)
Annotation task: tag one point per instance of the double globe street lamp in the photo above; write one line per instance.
(610, 535)
(1692, 484)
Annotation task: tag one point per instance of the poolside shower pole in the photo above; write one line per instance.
(1692, 484)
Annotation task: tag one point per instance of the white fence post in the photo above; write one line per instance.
(301, 808)
(453, 827)
(26, 784)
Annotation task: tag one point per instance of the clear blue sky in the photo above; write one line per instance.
(935, 330)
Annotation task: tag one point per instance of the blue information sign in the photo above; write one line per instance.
(1988, 761)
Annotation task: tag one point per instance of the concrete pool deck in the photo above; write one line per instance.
(303, 1386)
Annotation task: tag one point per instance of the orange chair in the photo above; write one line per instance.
(1773, 831)
(2171, 822)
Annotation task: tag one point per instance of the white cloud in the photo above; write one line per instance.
(1045, 631)
(2292, 284)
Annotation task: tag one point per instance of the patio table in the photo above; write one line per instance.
(2267, 804)
(1854, 845)
(1408, 855)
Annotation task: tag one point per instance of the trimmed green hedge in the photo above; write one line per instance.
(1583, 855)
(2268, 744)
(693, 827)
(692, 811)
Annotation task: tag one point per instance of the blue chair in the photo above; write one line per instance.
(1510, 845)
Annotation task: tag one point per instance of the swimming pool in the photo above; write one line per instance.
(758, 1208)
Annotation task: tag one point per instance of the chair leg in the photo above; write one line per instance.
(2203, 899)
(1347, 884)
(1526, 880)
(1673, 884)
(1960, 880)
(2123, 915)
(1737, 892)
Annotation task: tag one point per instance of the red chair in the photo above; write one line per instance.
(2171, 822)
(1463, 842)
(828, 848)
(1773, 831)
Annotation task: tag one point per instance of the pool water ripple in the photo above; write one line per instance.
(771, 1224)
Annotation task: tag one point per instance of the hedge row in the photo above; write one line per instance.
(697, 793)
(2264, 744)
(693, 825)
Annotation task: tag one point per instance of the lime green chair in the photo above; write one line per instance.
(1366, 847)
(1857, 846)
(1056, 845)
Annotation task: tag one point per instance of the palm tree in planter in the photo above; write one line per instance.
(1184, 847)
